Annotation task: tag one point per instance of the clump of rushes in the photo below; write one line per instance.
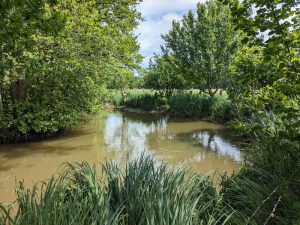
(143, 193)
(190, 104)
(200, 105)
(259, 197)
(181, 104)
(147, 193)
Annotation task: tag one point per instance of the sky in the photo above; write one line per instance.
(158, 15)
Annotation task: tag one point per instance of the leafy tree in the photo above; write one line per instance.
(163, 75)
(277, 102)
(249, 72)
(55, 56)
(203, 44)
(274, 108)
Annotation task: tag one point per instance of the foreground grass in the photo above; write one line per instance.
(143, 194)
(150, 194)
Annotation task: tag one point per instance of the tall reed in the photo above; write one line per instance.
(180, 104)
(150, 193)
(144, 193)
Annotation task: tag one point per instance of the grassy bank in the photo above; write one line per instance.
(149, 193)
(182, 104)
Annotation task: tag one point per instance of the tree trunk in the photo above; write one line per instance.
(1, 103)
(18, 89)
(212, 92)
(1, 76)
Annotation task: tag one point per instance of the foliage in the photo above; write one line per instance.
(145, 100)
(55, 57)
(201, 105)
(183, 104)
(221, 109)
(145, 193)
(203, 45)
(259, 197)
(249, 72)
(191, 104)
(273, 107)
(164, 76)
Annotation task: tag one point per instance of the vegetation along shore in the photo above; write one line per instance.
(228, 61)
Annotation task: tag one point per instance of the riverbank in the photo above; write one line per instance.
(185, 104)
(7, 137)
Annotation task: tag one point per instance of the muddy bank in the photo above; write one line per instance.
(7, 137)
(164, 112)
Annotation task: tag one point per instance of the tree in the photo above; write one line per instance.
(249, 72)
(276, 102)
(163, 75)
(203, 44)
(55, 55)
(274, 108)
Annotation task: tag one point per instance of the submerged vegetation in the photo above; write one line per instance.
(148, 193)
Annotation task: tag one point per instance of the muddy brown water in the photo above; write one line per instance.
(204, 147)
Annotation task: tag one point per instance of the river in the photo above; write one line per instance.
(203, 147)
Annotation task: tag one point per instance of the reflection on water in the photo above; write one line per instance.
(203, 146)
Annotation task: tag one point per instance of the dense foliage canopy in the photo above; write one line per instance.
(164, 75)
(57, 57)
(274, 104)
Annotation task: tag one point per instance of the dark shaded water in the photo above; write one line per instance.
(204, 147)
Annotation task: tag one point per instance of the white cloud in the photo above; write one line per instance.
(157, 7)
(150, 33)
(159, 15)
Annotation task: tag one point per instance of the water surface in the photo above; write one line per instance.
(204, 147)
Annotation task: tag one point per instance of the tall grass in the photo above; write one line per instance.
(190, 104)
(200, 105)
(259, 197)
(144, 193)
(147, 193)
(146, 101)
(180, 104)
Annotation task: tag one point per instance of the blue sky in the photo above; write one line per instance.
(159, 15)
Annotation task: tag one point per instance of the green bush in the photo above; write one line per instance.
(115, 98)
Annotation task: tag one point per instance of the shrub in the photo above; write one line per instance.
(221, 109)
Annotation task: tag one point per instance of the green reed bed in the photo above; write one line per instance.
(180, 104)
(147, 193)
(143, 193)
